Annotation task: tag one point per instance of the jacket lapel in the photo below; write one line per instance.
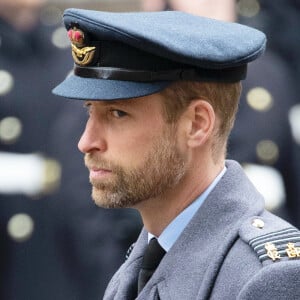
(123, 285)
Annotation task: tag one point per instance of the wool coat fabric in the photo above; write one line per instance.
(222, 253)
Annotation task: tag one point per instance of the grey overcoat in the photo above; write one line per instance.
(231, 249)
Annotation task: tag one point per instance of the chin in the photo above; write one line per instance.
(107, 200)
(113, 200)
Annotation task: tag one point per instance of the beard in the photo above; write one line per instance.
(162, 169)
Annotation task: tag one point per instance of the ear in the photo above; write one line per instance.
(201, 119)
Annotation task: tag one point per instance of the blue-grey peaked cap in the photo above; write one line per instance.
(128, 55)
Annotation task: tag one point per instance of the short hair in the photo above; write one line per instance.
(223, 97)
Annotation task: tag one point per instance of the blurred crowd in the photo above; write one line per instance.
(54, 242)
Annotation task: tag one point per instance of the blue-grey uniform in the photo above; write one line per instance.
(228, 246)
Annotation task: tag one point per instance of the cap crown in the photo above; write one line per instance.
(127, 55)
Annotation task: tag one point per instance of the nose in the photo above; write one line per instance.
(92, 138)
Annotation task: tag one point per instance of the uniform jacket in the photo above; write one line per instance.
(221, 254)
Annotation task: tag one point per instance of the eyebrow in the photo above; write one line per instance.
(111, 102)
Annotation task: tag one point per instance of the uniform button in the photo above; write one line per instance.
(20, 227)
(267, 152)
(60, 38)
(6, 82)
(248, 8)
(258, 223)
(259, 99)
(10, 129)
(294, 119)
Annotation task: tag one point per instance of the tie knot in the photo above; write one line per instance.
(153, 255)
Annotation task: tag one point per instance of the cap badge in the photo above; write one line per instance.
(82, 55)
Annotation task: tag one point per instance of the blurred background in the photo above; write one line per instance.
(54, 242)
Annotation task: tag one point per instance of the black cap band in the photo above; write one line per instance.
(196, 74)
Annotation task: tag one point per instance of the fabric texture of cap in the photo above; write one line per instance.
(128, 55)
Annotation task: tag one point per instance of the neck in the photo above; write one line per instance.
(157, 213)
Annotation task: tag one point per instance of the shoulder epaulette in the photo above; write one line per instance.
(271, 238)
(275, 246)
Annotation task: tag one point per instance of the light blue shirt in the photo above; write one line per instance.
(171, 233)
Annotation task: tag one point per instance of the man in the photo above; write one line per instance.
(162, 90)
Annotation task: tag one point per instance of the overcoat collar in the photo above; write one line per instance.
(197, 255)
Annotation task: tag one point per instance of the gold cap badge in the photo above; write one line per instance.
(82, 55)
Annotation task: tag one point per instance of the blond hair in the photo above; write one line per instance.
(223, 97)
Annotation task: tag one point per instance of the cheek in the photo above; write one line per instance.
(134, 147)
(130, 143)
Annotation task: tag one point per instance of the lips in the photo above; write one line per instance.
(98, 173)
(99, 169)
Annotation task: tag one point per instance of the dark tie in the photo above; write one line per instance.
(152, 257)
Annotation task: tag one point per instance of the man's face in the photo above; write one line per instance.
(132, 154)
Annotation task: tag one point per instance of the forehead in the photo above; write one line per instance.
(152, 102)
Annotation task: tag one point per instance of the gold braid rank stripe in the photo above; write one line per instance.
(84, 55)
(277, 246)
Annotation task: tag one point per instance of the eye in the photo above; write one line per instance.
(118, 113)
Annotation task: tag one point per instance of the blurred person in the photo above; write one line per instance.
(26, 56)
(46, 250)
(264, 145)
(161, 99)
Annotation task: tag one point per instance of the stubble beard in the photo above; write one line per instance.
(163, 168)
